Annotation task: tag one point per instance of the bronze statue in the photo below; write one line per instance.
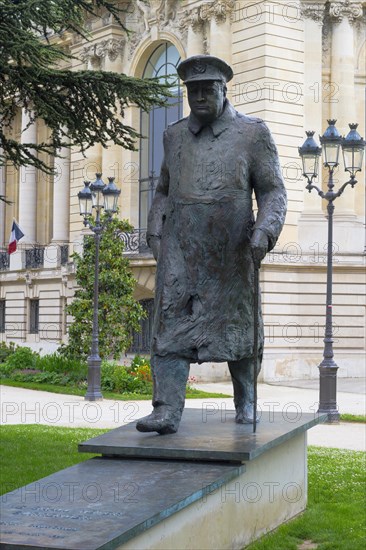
(206, 242)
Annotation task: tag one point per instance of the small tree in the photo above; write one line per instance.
(119, 312)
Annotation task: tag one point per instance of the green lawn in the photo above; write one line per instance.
(28, 453)
(359, 418)
(334, 520)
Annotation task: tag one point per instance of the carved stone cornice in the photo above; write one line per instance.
(111, 47)
(195, 17)
(339, 10)
(312, 10)
(219, 9)
(191, 18)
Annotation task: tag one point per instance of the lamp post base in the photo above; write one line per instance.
(328, 392)
(94, 391)
(93, 396)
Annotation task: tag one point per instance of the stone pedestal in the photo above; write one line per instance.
(214, 484)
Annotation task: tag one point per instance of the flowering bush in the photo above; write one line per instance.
(123, 379)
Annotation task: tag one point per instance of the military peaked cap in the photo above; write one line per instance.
(204, 67)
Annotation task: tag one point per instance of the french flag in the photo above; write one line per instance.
(15, 236)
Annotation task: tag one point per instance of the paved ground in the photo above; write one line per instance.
(20, 406)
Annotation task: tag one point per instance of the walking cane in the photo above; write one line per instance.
(256, 336)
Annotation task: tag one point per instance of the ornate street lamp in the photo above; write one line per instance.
(353, 147)
(99, 196)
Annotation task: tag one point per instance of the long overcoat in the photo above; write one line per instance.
(203, 213)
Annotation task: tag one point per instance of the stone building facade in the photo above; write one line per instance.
(296, 64)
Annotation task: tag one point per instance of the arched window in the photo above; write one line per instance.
(162, 64)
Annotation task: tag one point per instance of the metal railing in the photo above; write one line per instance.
(141, 340)
(135, 242)
(4, 261)
(34, 258)
(64, 254)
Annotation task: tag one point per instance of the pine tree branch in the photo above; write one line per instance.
(90, 104)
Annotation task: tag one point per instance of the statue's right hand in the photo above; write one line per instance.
(154, 244)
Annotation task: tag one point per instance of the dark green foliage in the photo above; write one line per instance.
(22, 358)
(57, 365)
(119, 312)
(6, 350)
(80, 108)
(25, 365)
(121, 379)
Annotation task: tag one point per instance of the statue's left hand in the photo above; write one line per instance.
(259, 247)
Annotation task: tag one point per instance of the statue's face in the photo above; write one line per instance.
(206, 99)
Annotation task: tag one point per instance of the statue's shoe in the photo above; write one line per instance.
(163, 423)
(245, 415)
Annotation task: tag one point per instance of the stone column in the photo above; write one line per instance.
(343, 15)
(2, 204)
(93, 162)
(219, 15)
(192, 23)
(61, 192)
(111, 51)
(312, 220)
(195, 38)
(347, 228)
(28, 186)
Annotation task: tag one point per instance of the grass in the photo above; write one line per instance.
(359, 418)
(28, 453)
(334, 519)
(192, 393)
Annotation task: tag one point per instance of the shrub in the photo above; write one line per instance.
(6, 350)
(123, 379)
(22, 358)
(24, 365)
(139, 361)
(107, 369)
(73, 369)
(119, 313)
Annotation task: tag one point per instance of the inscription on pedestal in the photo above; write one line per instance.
(104, 501)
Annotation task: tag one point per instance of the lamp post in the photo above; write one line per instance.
(353, 147)
(99, 196)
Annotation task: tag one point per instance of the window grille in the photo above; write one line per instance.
(34, 316)
(4, 261)
(64, 254)
(34, 258)
(141, 340)
(2, 315)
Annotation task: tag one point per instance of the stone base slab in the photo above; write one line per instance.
(170, 503)
(205, 434)
(102, 503)
(271, 491)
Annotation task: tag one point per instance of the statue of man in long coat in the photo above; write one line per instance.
(206, 241)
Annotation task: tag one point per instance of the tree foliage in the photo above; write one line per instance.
(119, 313)
(80, 108)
